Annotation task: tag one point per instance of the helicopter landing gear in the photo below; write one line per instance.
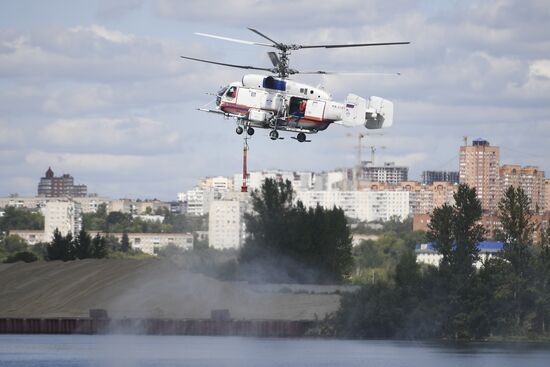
(250, 131)
(301, 137)
(273, 135)
(239, 130)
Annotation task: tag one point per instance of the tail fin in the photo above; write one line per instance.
(375, 113)
(354, 112)
(379, 113)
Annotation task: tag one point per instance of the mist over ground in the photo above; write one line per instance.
(150, 289)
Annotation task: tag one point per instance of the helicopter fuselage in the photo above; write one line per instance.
(286, 105)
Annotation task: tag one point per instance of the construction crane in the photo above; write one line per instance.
(373, 149)
(359, 148)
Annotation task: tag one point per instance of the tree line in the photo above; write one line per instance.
(508, 296)
(67, 247)
(286, 242)
(118, 222)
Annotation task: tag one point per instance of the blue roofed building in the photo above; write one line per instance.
(426, 254)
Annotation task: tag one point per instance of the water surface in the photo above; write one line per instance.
(168, 351)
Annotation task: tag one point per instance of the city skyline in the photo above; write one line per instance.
(237, 177)
(102, 93)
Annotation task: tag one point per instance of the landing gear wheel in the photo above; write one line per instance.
(250, 131)
(273, 135)
(301, 137)
(239, 130)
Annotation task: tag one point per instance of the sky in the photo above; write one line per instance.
(97, 88)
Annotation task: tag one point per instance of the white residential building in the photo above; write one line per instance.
(300, 180)
(150, 217)
(197, 200)
(88, 204)
(382, 205)
(363, 205)
(151, 243)
(426, 254)
(64, 215)
(353, 203)
(225, 224)
(31, 236)
(331, 181)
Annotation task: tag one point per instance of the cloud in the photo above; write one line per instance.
(94, 163)
(9, 135)
(115, 92)
(107, 9)
(132, 134)
(540, 69)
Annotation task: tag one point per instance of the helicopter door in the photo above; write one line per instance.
(297, 106)
(315, 110)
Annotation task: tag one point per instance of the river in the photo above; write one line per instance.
(171, 351)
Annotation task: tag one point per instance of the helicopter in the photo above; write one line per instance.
(278, 103)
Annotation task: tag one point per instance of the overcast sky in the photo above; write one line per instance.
(97, 89)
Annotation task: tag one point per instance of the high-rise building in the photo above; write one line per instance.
(425, 198)
(225, 223)
(547, 195)
(429, 177)
(64, 215)
(529, 178)
(479, 168)
(51, 186)
(389, 173)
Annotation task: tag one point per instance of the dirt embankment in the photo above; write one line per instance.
(146, 288)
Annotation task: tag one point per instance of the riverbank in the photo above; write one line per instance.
(151, 289)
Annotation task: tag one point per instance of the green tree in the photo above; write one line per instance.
(515, 215)
(61, 247)
(18, 218)
(13, 243)
(118, 222)
(96, 221)
(99, 247)
(455, 233)
(517, 232)
(125, 243)
(542, 283)
(82, 245)
(288, 242)
(24, 256)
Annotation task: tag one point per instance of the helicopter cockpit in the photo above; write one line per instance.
(220, 94)
(228, 92)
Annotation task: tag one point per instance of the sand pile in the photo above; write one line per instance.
(146, 288)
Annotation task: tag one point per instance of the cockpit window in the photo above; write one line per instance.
(222, 91)
(231, 92)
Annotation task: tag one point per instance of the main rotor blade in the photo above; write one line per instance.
(224, 64)
(346, 74)
(274, 59)
(355, 45)
(233, 39)
(264, 36)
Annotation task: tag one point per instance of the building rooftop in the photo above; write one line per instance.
(483, 246)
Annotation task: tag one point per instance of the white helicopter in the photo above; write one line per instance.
(279, 104)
